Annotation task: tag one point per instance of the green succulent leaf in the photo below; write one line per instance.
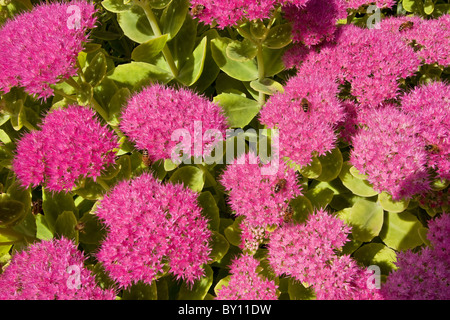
(267, 86)
(390, 205)
(11, 212)
(96, 70)
(241, 50)
(65, 225)
(358, 186)
(366, 220)
(191, 177)
(210, 209)
(377, 254)
(173, 17)
(219, 245)
(331, 164)
(135, 24)
(401, 231)
(116, 6)
(279, 36)
(199, 289)
(149, 49)
(138, 74)
(238, 109)
(193, 67)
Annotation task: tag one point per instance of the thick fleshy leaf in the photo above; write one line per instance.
(55, 203)
(135, 25)
(85, 94)
(11, 212)
(390, 205)
(117, 102)
(96, 70)
(241, 50)
(243, 71)
(331, 164)
(191, 177)
(298, 291)
(210, 209)
(193, 67)
(173, 17)
(65, 225)
(141, 291)
(377, 254)
(313, 170)
(357, 186)
(302, 208)
(92, 230)
(279, 36)
(43, 230)
(199, 289)
(149, 49)
(320, 197)
(238, 109)
(220, 246)
(366, 220)
(267, 86)
(138, 74)
(401, 231)
(159, 4)
(116, 6)
(233, 232)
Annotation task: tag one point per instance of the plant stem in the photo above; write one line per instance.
(157, 31)
(71, 82)
(261, 73)
(29, 126)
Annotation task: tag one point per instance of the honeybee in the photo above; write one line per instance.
(406, 25)
(36, 207)
(288, 213)
(280, 185)
(305, 104)
(197, 9)
(80, 227)
(432, 148)
(145, 158)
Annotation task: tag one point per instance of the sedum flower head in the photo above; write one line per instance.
(438, 235)
(246, 283)
(255, 195)
(342, 279)
(50, 270)
(153, 115)
(152, 228)
(355, 4)
(227, 13)
(304, 115)
(39, 48)
(389, 151)
(316, 22)
(429, 105)
(71, 144)
(301, 251)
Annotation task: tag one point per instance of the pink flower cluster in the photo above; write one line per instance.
(429, 106)
(302, 250)
(262, 199)
(307, 253)
(71, 144)
(50, 270)
(371, 61)
(40, 48)
(246, 283)
(152, 229)
(355, 4)
(390, 151)
(305, 115)
(227, 13)
(316, 22)
(429, 38)
(423, 275)
(153, 115)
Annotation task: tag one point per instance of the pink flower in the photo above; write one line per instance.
(304, 115)
(390, 151)
(227, 13)
(429, 105)
(152, 229)
(316, 22)
(246, 283)
(40, 48)
(438, 234)
(50, 270)
(301, 251)
(153, 115)
(262, 199)
(420, 276)
(72, 144)
(342, 279)
(355, 4)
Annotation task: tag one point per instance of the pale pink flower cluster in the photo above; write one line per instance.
(50, 270)
(152, 229)
(246, 283)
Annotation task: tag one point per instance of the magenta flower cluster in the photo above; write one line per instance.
(39, 48)
(152, 229)
(389, 149)
(423, 275)
(71, 145)
(307, 253)
(50, 270)
(151, 117)
(255, 195)
(246, 283)
(305, 115)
